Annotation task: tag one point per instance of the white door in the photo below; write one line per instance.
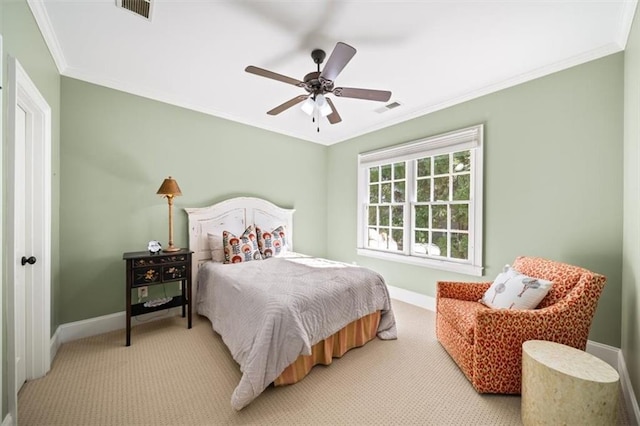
(20, 246)
(28, 234)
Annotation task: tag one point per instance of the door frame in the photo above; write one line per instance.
(22, 91)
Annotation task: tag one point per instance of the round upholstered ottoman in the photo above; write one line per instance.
(562, 385)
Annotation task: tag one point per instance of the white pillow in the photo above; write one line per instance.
(216, 246)
(513, 290)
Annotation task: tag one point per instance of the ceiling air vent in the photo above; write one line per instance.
(387, 107)
(139, 7)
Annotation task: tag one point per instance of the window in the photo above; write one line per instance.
(421, 202)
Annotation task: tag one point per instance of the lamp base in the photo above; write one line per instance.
(171, 249)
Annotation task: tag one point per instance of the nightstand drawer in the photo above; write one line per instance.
(159, 260)
(176, 272)
(144, 276)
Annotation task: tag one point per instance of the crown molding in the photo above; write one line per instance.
(626, 20)
(44, 23)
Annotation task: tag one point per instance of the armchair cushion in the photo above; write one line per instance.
(461, 314)
(513, 290)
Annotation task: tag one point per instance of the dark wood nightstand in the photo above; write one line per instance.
(146, 269)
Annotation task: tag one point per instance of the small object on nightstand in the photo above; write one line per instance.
(154, 247)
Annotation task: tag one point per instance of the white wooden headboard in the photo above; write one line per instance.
(233, 215)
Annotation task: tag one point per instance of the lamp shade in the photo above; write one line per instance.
(169, 187)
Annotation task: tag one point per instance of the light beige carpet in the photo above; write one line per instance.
(174, 376)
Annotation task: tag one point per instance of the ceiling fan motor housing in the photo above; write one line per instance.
(315, 84)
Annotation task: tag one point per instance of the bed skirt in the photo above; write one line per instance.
(353, 335)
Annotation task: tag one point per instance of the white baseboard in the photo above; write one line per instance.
(412, 298)
(8, 421)
(104, 324)
(609, 354)
(627, 391)
(55, 344)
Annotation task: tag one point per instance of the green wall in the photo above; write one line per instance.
(630, 344)
(552, 180)
(22, 40)
(116, 150)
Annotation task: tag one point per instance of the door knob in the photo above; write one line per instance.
(30, 260)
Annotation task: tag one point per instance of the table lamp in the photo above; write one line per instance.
(170, 189)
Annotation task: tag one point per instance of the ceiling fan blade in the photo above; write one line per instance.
(368, 94)
(275, 76)
(277, 110)
(339, 58)
(334, 117)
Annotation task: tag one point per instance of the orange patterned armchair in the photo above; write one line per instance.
(487, 343)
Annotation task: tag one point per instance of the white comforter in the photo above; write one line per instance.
(271, 311)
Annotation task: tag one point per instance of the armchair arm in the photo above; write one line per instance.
(502, 331)
(461, 290)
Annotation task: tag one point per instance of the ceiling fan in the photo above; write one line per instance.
(320, 83)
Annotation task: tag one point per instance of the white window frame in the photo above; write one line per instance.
(470, 138)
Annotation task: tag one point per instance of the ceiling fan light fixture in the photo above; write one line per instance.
(323, 106)
(308, 106)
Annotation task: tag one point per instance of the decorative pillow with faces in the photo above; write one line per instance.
(241, 249)
(272, 244)
(513, 290)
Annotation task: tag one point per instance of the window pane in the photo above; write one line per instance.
(397, 216)
(441, 164)
(384, 216)
(374, 174)
(422, 216)
(441, 188)
(422, 237)
(459, 246)
(385, 195)
(386, 242)
(373, 215)
(439, 217)
(374, 196)
(398, 192)
(462, 161)
(398, 171)
(461, 187)
(460, 217)
(397, 237)
(424, 190)
(440, 239)
(372, 241)
(386, 172)
(424, 167)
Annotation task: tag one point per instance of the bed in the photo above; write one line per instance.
(282, 315)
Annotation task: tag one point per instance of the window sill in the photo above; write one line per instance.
(426, 263)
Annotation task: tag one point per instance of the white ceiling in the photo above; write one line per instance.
(429, 54)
